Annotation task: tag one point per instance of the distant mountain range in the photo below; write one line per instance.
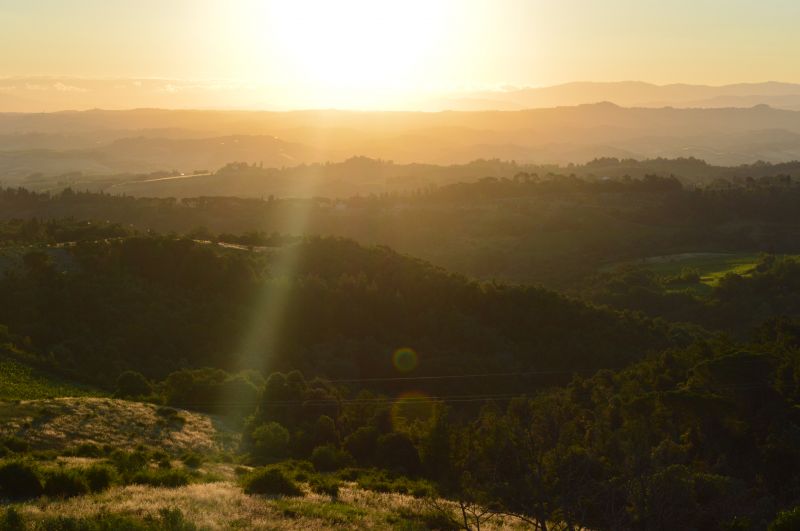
(634, 94)
(47, 94)
(142, 141)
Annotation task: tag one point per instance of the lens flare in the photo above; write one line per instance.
(404, 359)
(410, 408)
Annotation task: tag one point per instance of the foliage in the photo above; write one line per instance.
(328, 457)
(19, 480)
(326, 486)
(270, 481)
(786, 520)
(269, 441)
(65, 483)
(160, 477)
(131, 384)
(19, 381)
(99, 477)
(167, 520)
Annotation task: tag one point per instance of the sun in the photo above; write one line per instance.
(356, 44)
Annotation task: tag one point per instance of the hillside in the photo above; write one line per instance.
(64, 423)
(19, 381)
(326, 306)
(141, 141)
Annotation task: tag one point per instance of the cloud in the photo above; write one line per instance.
(67, 88)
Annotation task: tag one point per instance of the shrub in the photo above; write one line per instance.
(397, 452)
(362, 444)
(17, 445)
(426, 519)
(129, 463)
(328, 457)
(168, 520)
(170, 478)
(65, 484)
(271, 482)
(170, 415)
(166, 412)
(325, 486)
(131, 384)
(19, 481)
(786, 520)
(99, 477)
(325, 431)
(173, 520)
(192, 460)
(270, 441)
(349, 474)
(88, 450)
(12, 521)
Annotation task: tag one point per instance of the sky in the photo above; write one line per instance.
(329, 52)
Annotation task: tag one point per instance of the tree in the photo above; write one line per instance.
(131, 384)
(269, 442)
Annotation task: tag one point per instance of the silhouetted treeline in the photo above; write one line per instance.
(550, 230)
(158, 304)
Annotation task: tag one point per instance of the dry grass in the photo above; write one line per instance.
(223, 505)
(62, 423)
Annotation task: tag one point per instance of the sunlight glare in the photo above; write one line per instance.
(356, 44)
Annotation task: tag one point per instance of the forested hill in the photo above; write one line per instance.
(328, 307)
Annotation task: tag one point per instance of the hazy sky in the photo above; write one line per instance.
(324, 48)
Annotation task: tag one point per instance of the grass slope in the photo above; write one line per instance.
(711, 266)
(22, 382)
(223, 505)
(65, 423)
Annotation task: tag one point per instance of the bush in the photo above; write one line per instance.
(325, 486)
(131, 384)
(99, 477)
(786, 520)
(129, 463)
(19, 481)
(12, 521)
(88, 450)
(328, 457)
(170, 478)
(325, 431)
(166, 412)
(17, 445)
(168, 519)
(65, 484)
(170, 415)
(427, 519)
(349, 474)
(173, 520)
(270, 441)
(192, 460)
(362, 444)
(397, 452)
(271, 482)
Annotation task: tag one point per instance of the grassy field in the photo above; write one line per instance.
(21, 382)
(711, 266)
(62, 423)
(223, 505)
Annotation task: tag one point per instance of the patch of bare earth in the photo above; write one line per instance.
(69, 422)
